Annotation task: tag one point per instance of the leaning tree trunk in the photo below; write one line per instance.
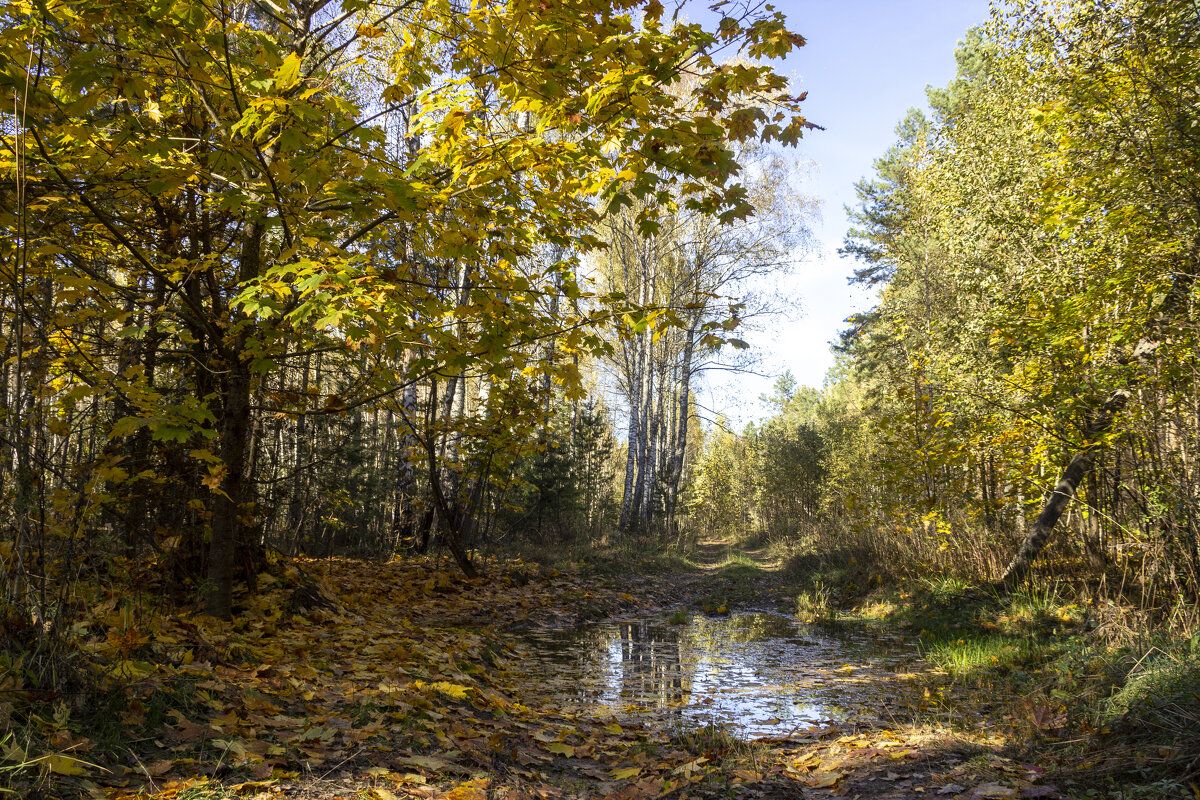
(1100, 421)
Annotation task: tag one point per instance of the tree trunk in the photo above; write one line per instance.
(635, 386)
(299, 478)
(679, 449)
(404, 517)
(233, 438)
(446, 519)
(643, 412)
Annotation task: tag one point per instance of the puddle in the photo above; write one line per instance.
(757, 673)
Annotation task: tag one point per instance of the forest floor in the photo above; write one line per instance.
(350, 679)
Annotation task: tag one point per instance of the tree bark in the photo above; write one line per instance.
(233, 438)
(679, 439)
(404, 517)
(635, 386)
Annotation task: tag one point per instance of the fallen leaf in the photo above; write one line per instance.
(993, 790)
(429, 763)
(65, 765)
(952, 788)
(823, 780)
(471, 790)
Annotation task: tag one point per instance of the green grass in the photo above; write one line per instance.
(623, 557)
(971, 656)
(816, 604)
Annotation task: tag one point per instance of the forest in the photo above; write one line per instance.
(346, 342)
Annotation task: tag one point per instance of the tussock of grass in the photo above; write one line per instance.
(816, 604)
(1160, 693)
(968, 657)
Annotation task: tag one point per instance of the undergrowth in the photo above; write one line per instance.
(1114, 696)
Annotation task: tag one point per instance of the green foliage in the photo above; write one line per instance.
(1024, 236)
(719, 497)
(565, 490)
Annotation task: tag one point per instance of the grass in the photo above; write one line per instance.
(619, 558)
(737, 581)
(816, 604)
(1059, 677)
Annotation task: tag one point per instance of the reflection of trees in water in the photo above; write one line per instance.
(757, 672)
(655, 664)
(715, 634)
(641, 662)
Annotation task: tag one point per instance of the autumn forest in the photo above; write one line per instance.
(350, 348)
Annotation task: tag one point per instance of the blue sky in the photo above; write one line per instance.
(866, 63)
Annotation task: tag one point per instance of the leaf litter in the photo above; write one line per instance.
(350, 679)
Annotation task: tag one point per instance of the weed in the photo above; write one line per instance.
(711, 738)
(945, 586)
(209, 792)
(815, 605)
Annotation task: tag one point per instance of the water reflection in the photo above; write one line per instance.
(760, 673)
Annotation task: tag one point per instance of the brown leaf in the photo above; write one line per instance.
(823, 780)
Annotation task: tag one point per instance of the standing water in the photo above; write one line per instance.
(756, 673)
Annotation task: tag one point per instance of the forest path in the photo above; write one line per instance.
(732, 574)
(409, 681)
(716, 554)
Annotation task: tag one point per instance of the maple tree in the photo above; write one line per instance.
(210, 199)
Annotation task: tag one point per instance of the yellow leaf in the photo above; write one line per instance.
(614, 729)
(383, 794)
(65, 765)
(132, 670)
(450, 689)
(824, 780)
(625, 773)
(288, 74)
(561, 749)
(471, 790)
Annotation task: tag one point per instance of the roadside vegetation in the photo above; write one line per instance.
(343, 342)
